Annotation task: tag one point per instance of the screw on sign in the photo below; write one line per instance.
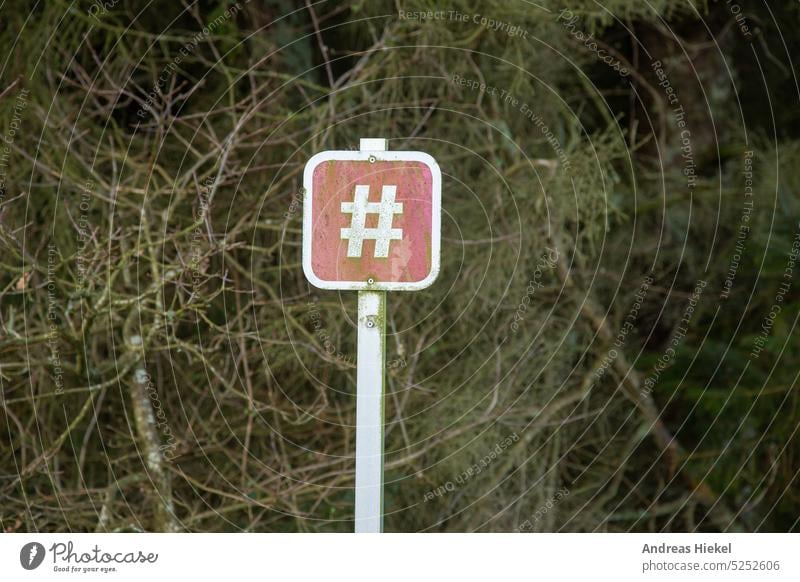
(371, 223)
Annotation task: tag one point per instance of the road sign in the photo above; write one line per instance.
(372, 220)
(371, 223)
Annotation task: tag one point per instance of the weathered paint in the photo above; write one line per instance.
(413, 261)
(409, 258)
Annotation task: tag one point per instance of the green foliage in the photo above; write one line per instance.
(154, 194)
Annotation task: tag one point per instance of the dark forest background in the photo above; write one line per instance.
(611, 343)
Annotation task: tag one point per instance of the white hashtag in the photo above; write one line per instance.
(358, 232)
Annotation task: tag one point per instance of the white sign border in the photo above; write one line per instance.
(379, 156)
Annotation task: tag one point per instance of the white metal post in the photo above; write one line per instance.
(370, 378)
(369, 411)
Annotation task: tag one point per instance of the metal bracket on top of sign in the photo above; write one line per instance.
(371, 321)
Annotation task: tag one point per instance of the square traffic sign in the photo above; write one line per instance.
(371, 220)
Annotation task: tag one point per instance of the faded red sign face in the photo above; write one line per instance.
(371, 220)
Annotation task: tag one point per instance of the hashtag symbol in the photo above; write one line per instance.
(358, 231)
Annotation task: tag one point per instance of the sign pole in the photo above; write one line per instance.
(394, 200)
(370, 378)
(369, 411)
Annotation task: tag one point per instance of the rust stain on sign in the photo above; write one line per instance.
(373, 220)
